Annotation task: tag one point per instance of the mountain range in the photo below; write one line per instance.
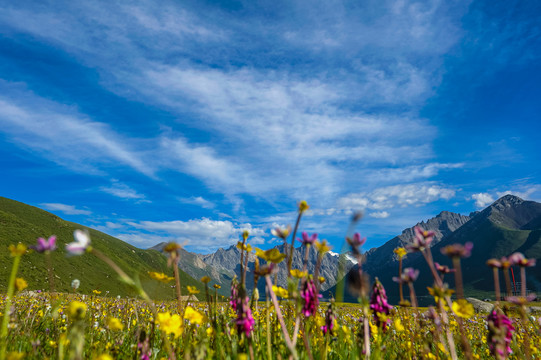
(508, 225)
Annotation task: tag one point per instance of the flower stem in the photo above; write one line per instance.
(289, 344)
(291, 248)
(7, 307)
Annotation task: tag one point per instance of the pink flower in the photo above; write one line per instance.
(444, 269)
(307, 240)
(311, 298)
(379, 304)
(422, 239)
(329, 321)
(356, 242)
(500, 334)
(458, 250)
(45, 245)
(519, 259)
(245, 321)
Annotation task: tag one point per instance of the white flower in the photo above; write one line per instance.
(82, 241)
(75, 284)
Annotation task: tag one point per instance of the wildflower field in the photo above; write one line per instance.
(283, 323)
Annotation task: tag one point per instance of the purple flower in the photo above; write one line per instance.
(81, 243)
(329, 321)
(234, 300)
(356, 242)
(500, 334)
(307, 240)
(245, 321)
(519, 259)
(311, 298)
(45, 245)
(409, 275)
(422, 239)
(444, 269)
(379, 305)
(458, 250)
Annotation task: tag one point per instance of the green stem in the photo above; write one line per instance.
(291, 248)
(7, 307)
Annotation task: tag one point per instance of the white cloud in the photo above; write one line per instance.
(123, 191)
(199, 201)
(61, 133)
(198, 232)
(524, 193)
(482, 199)
(396, 196)
(66, 209)
(379, 214)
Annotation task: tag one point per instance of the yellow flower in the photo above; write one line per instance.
(398, 325)
(160, 277)
(401, 252)
(170, 324)
(273, 255)
(192, 290)
(205, 279)
(279, 291)
(77, 310)
(193, 316)
(296, 273)
(15, 355)
(463, 309)
(321, 279)
(104, 357)
(97, 292)
(210, 331)
(245, 247)
(303, 206)
(322, 246)
(114, 324)
(245, 234)
(17, 250)
(20, 284)
(216, 286)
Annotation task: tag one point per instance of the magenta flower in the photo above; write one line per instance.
(519, 259)
(81, 243)
(500, 334)
(307, 240)
(444, 269)
(329, 321)
(379, 305)
(234, 300)
(356, 242)
(245, 321)
(311, 298)
(45, 245)
(409, 275)
(458, 250)
(422, 240)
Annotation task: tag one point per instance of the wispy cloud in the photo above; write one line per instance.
(123, 191)
(199, 201)
(198, 233)
(396, 196)
(66, 209)
(62, 134)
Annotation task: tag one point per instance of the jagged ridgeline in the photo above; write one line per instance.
(24, 223)
(224, 264)
(509, 225)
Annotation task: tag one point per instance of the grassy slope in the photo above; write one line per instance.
(23, 223)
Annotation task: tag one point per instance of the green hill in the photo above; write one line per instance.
(24, 223)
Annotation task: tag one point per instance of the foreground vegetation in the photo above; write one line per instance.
(289, 322)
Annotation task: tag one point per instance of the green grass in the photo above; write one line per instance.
(23, 223)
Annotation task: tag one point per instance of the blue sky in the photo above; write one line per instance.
(193, 120)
